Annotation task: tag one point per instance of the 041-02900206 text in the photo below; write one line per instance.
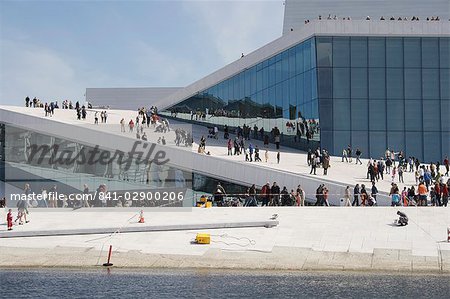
(142, 195)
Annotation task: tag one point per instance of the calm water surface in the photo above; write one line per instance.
(57, 283)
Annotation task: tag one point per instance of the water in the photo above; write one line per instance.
(56, 283)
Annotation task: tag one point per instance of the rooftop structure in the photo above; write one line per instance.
(296, 12)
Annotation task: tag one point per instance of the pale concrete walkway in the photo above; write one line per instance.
(292, 161)
(306, 238)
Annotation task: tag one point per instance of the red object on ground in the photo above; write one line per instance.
(141, 217)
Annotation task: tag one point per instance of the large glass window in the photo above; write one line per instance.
(307, 55)
(412, 52)
(445, 110)
(299, 58)
(377, 86)
(300, 88)
(430, 81)
(307, 86)
(360, 114)
(445, 84)
(431, 116)
(377, 142)
(358, 47)
(377, 52)
(414, 144)
(291, 63)
(325, 83)
(341, 83)
(444, 52)
(394, 83)
(324, 51)
(377, 115)
(326, 114)
(413, 84)
(341, 52)
(359, 83)
(341, 114)
(432, 142)
(430, 52)
(395, 115)
(413, 115)
(394, 52)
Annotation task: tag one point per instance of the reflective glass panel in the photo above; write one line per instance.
(358, 47)
(341, 52)
(341, 83)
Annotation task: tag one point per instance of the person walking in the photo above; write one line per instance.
(444, 194)
(313, 165)
(278, 158)
(122, 125)
(257, 158)
(326, 164)
(364, 196)
(356, 193)
(358, 156)
(394, 173)
(422, 190)
(300, 196)
(400, 174)
(230, 147)
(344, 155)
(446, 165)
(266, 156)
(131, 125)
(265, 195)
(9, 219)
(347, 195)
(374, 191)
(275, 194)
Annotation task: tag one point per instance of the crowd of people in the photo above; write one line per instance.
(49, 108)
(382, 18)
(268, 195)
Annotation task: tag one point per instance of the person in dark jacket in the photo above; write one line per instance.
(356, 195)
(275, 194)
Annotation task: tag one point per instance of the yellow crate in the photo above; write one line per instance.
(203, 238)
(208, 204)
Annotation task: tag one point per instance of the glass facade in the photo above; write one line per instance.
(19, 166)
(371, 92)
(278, 92)
(385, 92)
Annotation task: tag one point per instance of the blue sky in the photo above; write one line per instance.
(55, 49)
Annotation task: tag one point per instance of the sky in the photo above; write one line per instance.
(54, 50)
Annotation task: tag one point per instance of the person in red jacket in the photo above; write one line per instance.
(265, 194)
(444, 191)
(9, 219)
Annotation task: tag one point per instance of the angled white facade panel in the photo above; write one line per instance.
(128, 98)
